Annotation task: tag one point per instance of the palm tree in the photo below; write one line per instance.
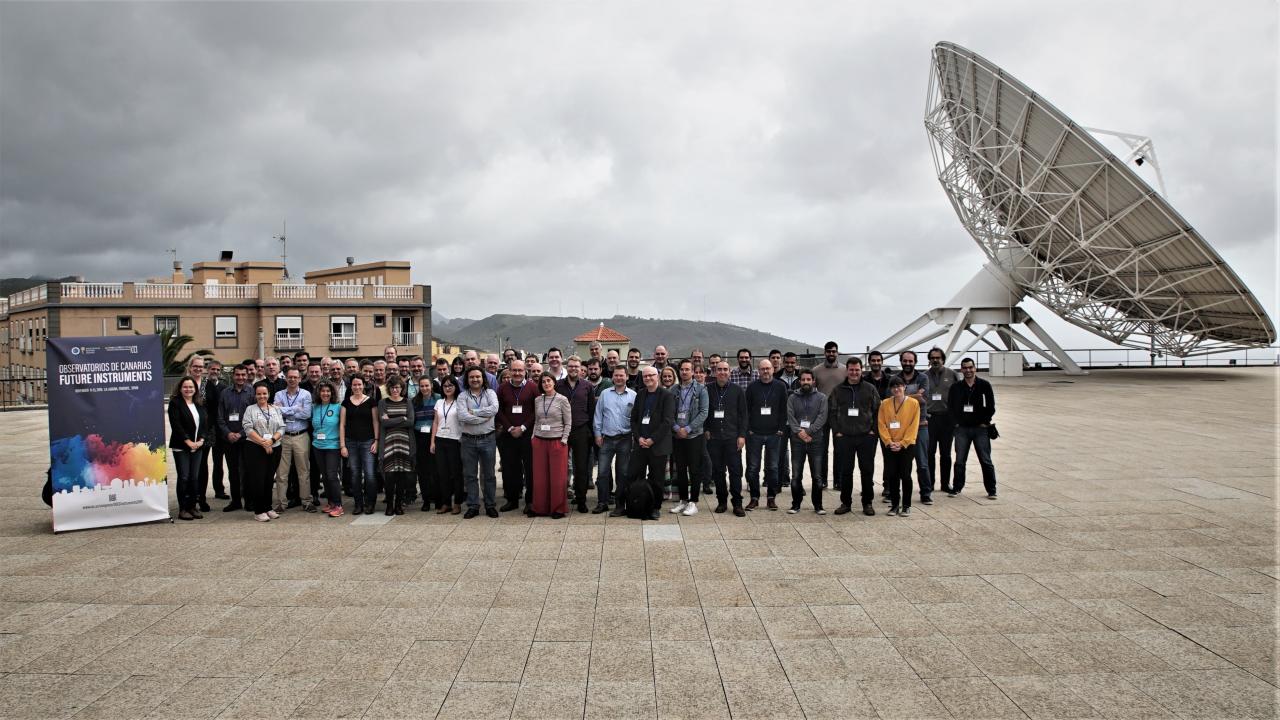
(171, 344)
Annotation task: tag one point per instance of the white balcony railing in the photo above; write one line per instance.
(30, 295)
(162, 291)
(346, 292)
(293, 292)
(406, 339)
(231, 292)
(289, 342)
(343, 341)
(393, 292)
(93, 291)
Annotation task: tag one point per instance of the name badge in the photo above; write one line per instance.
(682, 416)
(644, 420)
(545, 428)
(320, 436)
(517, 409)
(894, 424)
(968, 408)
(936, 396)
(804, 424)
(719, 415)
(233, 417)
(425, 429)
(766, 411)
(853, 412)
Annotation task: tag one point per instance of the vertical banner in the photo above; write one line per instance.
(106, 431)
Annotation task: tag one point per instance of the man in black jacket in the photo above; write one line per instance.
(726, 431)
(652, 418)
(231, 409)
(973, 405)
(213, 387)
(766, 425)
(852, 412)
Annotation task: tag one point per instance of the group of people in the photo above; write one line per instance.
(297, 432)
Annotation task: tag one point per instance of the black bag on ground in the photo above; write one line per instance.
(992, 432)
(640, 500)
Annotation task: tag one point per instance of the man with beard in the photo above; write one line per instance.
(744, 374)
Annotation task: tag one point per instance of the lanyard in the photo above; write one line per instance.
(289, 403)
(686, 398)
(720, 391)
(546, 405)
(478, 403)
(447, 407)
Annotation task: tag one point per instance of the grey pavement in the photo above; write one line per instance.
(1128, 569)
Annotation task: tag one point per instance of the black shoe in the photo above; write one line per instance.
(618, 512)
(389, 511)
(947, 489)
(867, 509)
(892, 510)
(654, 515)
(471, 512)
(491, 511)
(557, 516)
(357, 510)
(509, 505)
(738, 511)
(844, 510)
(992, 496)
(721, 507)
(953, 493)
(293, 504)
(221, 496)
(426, 507)
(599, 508)
(707, 490)
(233, 505)
(582, 506)
(926, 500)
(204, 506)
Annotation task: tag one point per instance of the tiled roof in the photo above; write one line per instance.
(603, 334)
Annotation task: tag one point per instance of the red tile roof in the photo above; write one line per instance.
(603, 334)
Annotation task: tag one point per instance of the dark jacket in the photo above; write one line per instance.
(772, 395)
(865, 397)
(182, 426)
(273, 386)
(212, 399)
(582, 400)
(233, 403)
(733, 401)
(662, 418)
(980, 396)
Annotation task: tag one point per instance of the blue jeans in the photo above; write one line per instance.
(478, 458)
(813, 452)
(187, 463)
(770, 443)
(364, 484)
(978, 438)
(924, 473)
(615, 449)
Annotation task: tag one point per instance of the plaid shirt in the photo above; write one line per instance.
(742, 378)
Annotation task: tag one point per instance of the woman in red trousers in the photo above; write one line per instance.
(552, 420)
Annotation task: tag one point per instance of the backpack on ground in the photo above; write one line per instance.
(640, 500)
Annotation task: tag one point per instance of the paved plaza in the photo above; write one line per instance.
(1128, 569)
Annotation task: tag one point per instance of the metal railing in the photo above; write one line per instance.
(1103, 358)
(165, 291)
(219, 291)
(406, 339)
(343, 341)
(289, 342)
(22, 392)
(293, 292)
(92, 291)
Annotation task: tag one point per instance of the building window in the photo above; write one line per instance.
(167, 322)
(224, 331)
(379, 320)
(342, 332)
(289, 332)
(124, 322)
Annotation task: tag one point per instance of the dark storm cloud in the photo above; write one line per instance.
(752, 163)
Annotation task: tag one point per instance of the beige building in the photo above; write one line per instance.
(236, 310)
(608, 338)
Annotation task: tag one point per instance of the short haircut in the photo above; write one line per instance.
(544, 376)
(635, 350)
(789, 354)
(831, 345)
(744, 350)
(684, 362)
(572, 358)
(942, 353)
(775, 351)
(854, 360)
(970, 361)
(897, 381)
(875, 353)
(806, 371)
(592, 361)
(553, 350)
(394, 382)
(902, 355)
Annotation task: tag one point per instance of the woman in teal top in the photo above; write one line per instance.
(325, 414)
(424, 413)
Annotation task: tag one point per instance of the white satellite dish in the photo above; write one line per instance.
(1063, 220)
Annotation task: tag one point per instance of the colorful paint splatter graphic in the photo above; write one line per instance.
(86, 462)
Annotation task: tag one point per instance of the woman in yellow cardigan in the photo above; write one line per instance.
(899, 419)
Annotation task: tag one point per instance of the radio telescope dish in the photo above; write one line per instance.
(1066, 222)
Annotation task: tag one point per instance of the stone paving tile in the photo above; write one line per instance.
(1070, 596)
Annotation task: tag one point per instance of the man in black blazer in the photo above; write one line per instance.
(213, 387)
(652, 417)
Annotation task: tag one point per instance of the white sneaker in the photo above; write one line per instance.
(792, 511)
(679, 508)
(690, 509)
(273, 514)
(262, 517)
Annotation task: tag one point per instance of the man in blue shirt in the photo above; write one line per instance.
(295, 444)
(612, 429)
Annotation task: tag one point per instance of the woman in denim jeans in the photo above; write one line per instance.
(358, 441)
(189, 429)
(325, 419)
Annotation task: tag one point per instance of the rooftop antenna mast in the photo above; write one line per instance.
(284, 248)
(174, 253)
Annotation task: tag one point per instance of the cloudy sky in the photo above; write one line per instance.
(742, 162)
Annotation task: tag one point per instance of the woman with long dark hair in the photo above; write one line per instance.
(189, 432)
(326, 417)
(395, 420)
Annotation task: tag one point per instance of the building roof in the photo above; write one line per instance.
(602, 334)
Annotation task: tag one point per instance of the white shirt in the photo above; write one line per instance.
(195, 415)
(447, 424)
